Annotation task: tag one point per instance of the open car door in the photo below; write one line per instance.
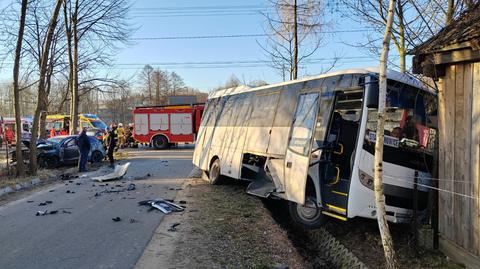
(297, 158)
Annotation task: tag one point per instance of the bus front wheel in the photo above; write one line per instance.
(214, 175)
(160, 142)
(308, 216)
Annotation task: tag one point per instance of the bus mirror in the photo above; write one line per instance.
(372, 95)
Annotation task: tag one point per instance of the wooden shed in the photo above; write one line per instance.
(452, 58)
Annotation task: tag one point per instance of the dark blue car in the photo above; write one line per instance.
(63, 150)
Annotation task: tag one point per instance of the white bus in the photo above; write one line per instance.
(311, 142)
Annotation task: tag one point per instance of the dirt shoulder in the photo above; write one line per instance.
(221, 227)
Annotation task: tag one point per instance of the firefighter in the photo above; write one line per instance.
(121, 135)
(52, 132)
(9, 136)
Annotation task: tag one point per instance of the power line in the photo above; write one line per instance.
(238, 35)
(244, 61)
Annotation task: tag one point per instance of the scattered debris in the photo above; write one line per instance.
(78, 183)
(131, 187)
(164, 206)
(133, 221)
(45, 203)
(65, 177)
(51, 190)
(182, 202)
(117, 219)
(173, 227)
(46, 212)
(30, 201)
(118, 172)
(66, 212)
(69, 191)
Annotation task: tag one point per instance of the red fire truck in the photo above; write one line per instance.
(163, 126)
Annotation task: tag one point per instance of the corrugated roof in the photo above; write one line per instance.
(465, 28)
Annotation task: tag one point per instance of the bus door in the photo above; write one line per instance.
(297, 158)
(339, 150)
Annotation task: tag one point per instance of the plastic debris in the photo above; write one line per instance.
(164, 206)
(46, 212)
(131, 187)
(117, 219)
(45, 203)
(118, 172)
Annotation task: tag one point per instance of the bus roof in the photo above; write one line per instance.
(391, 74)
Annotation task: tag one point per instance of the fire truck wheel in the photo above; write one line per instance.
(160, 142)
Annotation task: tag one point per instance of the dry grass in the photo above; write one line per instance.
(232, 230)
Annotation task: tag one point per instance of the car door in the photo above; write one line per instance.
(70, 150)
(297, 158)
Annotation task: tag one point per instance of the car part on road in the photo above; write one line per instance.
(116, 219)
(118, 172)
(45, 203)
(46, 212)
(131, 187)
(164, 206)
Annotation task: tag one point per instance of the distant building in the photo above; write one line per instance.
(452, 58)
(182, 100)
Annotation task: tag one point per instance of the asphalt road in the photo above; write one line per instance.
(88, 237)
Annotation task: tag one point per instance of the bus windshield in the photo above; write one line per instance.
(411, 118)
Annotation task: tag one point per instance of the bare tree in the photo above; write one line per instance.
(16, 90)
(41, 103)
(145, 78)
(294, 34)
(378, 175)
(93, 26)
(416, 21)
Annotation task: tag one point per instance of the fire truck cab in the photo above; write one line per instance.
(163, 126)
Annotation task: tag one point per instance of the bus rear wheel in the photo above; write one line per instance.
(214, 175)
(160, 142)
(308, 216)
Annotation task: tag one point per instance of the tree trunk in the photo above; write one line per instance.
(401, 37)
(378, 175)
(16, 91)
(75, 95)
(41, 86)
(295, 41)
(450, 12)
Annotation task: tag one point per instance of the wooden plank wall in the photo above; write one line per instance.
(459, 156)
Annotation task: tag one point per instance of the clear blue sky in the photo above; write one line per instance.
(161, 18)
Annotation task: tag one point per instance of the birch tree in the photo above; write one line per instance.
(378, 173)
(16, 89)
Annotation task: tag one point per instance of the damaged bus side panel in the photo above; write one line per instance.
(303, 141)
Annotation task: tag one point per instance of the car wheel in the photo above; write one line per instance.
(47, 162)
(214, 175)
(308, 216)
(97, 157)
(160, 142)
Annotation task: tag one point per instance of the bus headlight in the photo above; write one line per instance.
(366, 180)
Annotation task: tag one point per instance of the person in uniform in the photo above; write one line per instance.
(112, 144)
